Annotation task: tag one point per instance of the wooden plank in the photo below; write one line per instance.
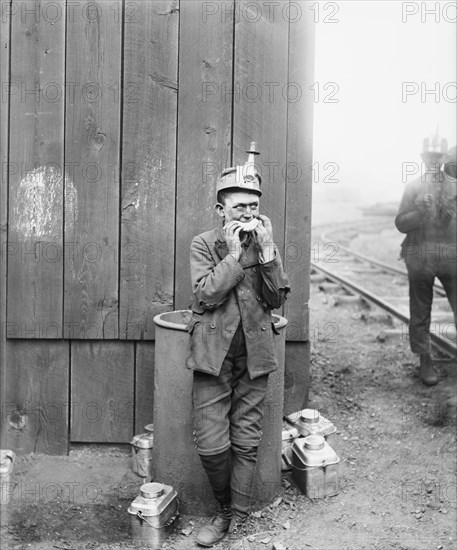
(92, 133)
(149, 166)
(35, 412)
(35, 266)
(299, 176)
(5, 6)
(204, 125)
(144, 385)
(102, 385)
(260, 101)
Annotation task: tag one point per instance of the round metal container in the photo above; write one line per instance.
(142, 446)
(175, 458)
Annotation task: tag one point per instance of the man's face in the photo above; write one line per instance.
(433, 161)
(239, 206)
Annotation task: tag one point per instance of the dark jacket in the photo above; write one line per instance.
(227, 291)
(423, 225)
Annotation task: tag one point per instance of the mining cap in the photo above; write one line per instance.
(434, 144)
(244, 178)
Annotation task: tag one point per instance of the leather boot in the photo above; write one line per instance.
(427, 371)
(244, 461)
(216, 529)
(217, 468)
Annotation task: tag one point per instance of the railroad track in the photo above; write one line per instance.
(377, 282)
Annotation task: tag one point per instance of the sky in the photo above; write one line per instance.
(385, 74)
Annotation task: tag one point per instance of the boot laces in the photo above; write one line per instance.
(238, 525)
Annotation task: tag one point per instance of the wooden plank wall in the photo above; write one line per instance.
(121, 116)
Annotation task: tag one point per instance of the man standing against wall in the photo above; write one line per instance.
(237, 279)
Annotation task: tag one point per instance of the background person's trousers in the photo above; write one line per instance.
(422, 270)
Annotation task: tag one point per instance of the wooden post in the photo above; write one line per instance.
(298, 207)
(5, 7)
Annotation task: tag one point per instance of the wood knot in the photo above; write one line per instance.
(98, 141)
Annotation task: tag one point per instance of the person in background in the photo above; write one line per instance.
(427, 214)
(237, 279)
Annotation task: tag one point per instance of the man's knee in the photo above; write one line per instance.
(245, 451)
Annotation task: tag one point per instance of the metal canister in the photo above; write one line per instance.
(315, 467)
(142, 445)
(7, 459)
(311, 422)
(152, 513)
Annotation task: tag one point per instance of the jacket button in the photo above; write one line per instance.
(263, 327)
(257, 298)
(213, 325)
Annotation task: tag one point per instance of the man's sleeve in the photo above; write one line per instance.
(275, 284)
(409, 216)
(212, 283)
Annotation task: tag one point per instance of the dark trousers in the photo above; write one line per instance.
(228, 414)
(228, 408)
(430, 261)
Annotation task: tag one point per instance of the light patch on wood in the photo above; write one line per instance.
(38, 205)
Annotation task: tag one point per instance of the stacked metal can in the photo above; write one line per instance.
(312, 458)
(315, 467)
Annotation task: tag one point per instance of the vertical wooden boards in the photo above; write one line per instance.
(298, 209)
(35, 289)
(102, 392)
(260, 99)
(92, 133)
(204, 125)
(149, 165)
(144, 385)
(35, 413)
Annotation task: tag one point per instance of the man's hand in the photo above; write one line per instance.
(426, 205)
(264, 236)
(448, 210)
(232, 238)
(428, 201)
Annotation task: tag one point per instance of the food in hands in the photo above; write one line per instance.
(249, 226)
